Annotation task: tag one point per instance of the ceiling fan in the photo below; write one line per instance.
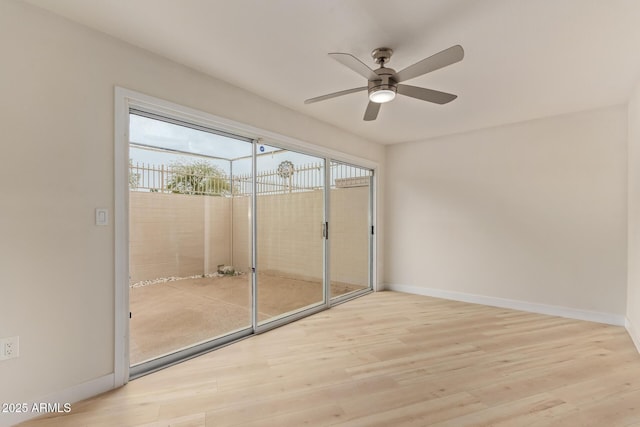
(385, 83)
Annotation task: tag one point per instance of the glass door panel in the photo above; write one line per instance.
(290, 242)
(190, 237)
(350, 229)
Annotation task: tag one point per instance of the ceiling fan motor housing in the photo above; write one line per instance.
(385, 81)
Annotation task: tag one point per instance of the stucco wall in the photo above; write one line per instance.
(182, 235)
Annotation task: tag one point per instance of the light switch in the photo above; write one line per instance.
(102, 216)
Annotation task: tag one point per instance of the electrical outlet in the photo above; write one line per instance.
(9, 348)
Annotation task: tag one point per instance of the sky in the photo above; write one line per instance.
(161, 134)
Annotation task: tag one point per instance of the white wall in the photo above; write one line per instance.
(633, 283)
(531, 212)
(56, 114)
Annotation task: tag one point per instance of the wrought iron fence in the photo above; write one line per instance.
(176, 179)
(288, 179)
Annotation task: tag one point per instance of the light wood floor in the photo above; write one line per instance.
(392, 359)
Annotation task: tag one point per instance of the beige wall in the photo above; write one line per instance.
(349, 235)
(289, 234)
(534, 211)
(166, 235)
(57, 83)
(169, 234)
(241, 233)
(633, 285)
(177, 235)
(217, 232)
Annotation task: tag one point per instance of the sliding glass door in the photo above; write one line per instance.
(189, 238)
(351, 230)
(229, 236)
(290, 242)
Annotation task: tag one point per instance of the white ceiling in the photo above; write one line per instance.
(523, 59)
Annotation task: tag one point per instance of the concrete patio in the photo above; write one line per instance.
(177, 314)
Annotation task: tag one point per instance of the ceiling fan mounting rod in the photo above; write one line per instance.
(382, 55)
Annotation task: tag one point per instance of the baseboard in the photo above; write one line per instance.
(552, 310)
(633, 333)
(70, 395)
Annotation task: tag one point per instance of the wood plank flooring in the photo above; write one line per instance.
(392, 359)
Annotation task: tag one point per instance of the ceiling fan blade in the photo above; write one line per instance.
(355, 64)
(430, 95)
(371, 113)
(439, 60)
(334, 95)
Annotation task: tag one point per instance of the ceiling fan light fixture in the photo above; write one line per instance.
(380, 96)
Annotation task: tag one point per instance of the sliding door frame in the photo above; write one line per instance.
(370, 242)
(126, 100)
(325, 304)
